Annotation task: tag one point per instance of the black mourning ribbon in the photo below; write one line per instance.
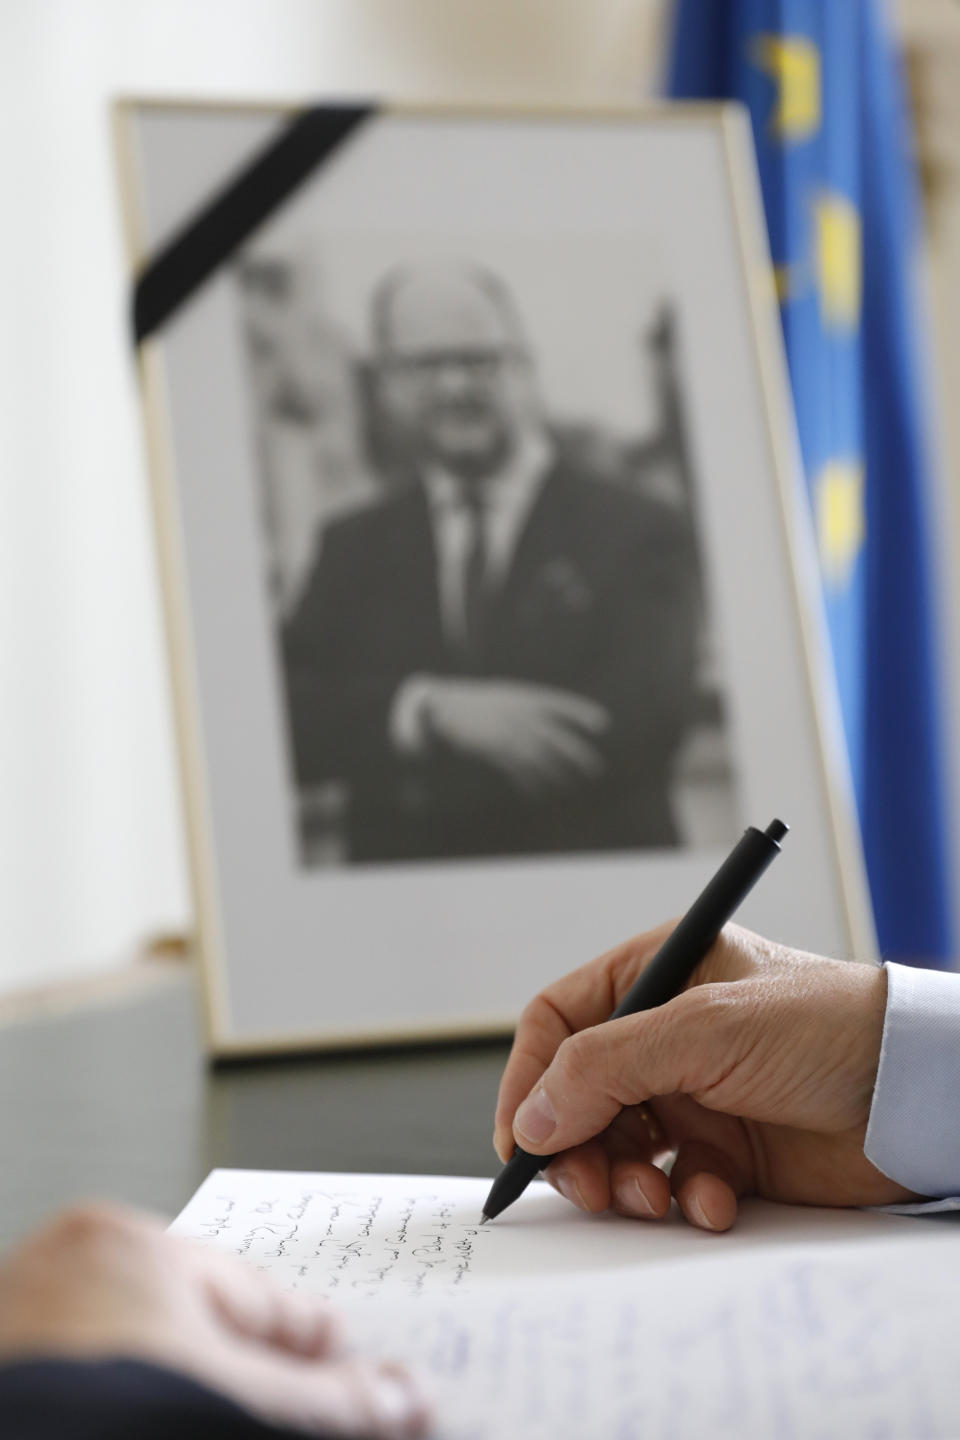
(204, 243)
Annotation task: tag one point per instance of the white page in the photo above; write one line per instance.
(548, 1322)
(798, 1343)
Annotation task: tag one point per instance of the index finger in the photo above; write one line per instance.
(255, 1307)
(578, 710)
(585, 997)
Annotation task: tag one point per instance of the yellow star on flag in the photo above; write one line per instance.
(839, 260)
(793, 64)
(840, 518)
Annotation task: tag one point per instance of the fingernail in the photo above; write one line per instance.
(535, 1120)
(652, 1125)
(631, 1197)
(700, 1215)
(570, 1190)
(396, 1404)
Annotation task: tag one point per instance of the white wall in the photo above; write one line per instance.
(91, 849)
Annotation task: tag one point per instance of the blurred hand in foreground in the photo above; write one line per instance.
(758, 1078)
(102, 1282)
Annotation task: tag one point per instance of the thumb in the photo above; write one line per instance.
(677, 1047)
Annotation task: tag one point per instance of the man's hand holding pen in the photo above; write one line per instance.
(758, 1078)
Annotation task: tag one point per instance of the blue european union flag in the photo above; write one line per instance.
(821, 83)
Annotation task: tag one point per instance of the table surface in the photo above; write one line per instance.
(118, 1102)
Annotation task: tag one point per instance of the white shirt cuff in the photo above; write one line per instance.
(913, 1134)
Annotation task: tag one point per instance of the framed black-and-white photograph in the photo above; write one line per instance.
(491, 602)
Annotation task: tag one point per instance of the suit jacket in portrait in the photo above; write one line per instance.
(600, 599)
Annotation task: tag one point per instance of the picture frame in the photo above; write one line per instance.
(394, 838)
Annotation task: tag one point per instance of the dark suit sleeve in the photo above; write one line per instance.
(645, 665)
(339, 686)
(117, 1400)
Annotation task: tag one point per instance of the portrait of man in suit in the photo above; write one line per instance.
(496, 656)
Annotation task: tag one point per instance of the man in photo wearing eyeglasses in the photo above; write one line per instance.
(499, 657)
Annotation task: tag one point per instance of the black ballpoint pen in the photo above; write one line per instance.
(667, 973)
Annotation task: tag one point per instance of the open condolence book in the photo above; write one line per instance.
(549, 1322)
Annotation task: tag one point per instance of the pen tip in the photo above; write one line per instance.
(484, 1218)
